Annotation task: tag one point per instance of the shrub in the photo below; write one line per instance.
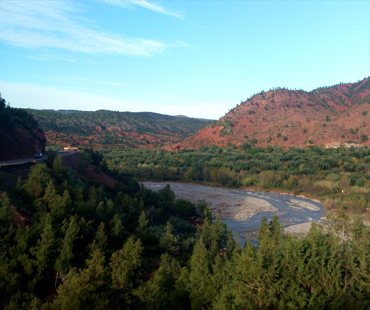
(364, 138)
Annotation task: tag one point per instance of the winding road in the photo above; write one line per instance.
(15, 162)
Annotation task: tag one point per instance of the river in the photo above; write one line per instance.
(243, 209)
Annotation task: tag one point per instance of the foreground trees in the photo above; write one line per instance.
(126, 247)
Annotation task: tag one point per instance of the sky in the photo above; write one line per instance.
(180, 57)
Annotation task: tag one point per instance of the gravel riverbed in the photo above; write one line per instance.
(242, 209)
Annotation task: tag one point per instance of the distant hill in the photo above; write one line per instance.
(20, 135)
(114, 129)
(283, 117)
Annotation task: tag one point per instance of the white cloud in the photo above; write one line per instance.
(58, 24)
(41, 97)
(144, 4)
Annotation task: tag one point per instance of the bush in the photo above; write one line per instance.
(364, 138)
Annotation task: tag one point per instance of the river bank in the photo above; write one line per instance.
(243, 209)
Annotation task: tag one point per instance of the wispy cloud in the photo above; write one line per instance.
(59, 24)
(155, 7)
(83, 84)
(47, 57)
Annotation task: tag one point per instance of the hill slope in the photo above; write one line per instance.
(294, 118)
(20, 135)
(112, 129)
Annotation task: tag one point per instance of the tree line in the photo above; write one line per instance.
(338, 177)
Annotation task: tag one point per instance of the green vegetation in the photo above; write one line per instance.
(88, 246)
(81, 245)
(11, 118)
(110, 127)
(313, 171)
(19, 133)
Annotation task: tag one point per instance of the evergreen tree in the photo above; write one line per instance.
(200, 287)
(37, 181)
(101, 240)
(168, 241)
(142, 229)
(44, 251)
(87, 288)
(125, 263)
(67, 252)
(160, 292)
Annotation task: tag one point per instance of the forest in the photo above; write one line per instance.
(85, 245)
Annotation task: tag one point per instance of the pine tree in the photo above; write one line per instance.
(45, 249)
(37, 181)
(168, 241)
(200, 287)
(86, 289)
(142, 229)
(125, 263)
(101, 240)
(160, 292)
(67, 252)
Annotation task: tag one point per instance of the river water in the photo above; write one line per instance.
(292, 210)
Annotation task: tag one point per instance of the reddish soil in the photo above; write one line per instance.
(287, 118)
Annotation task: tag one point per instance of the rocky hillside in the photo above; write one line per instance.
(111, 129)
(20, 135)
(330, 116)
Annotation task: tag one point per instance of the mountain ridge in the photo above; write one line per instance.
(287, 118)
(104, 128)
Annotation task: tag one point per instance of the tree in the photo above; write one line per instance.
(67, 252)
(160, 292)
(101, 240)
(2, 103)
(125, 263)
(44, 250)
(87, 288)
(345, 183)
(200, 287)
(37, 181)
(168, 241)
(364, 138)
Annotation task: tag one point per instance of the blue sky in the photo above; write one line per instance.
(194, 58)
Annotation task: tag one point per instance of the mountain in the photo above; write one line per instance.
(20, 135)
(328, 116)
(114, 129)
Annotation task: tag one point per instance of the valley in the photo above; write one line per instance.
(243, 209)
(82, 230)
(184, 155)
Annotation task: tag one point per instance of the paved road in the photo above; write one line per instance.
(31, 159)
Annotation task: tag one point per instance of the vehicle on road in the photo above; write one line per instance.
(37, 155)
